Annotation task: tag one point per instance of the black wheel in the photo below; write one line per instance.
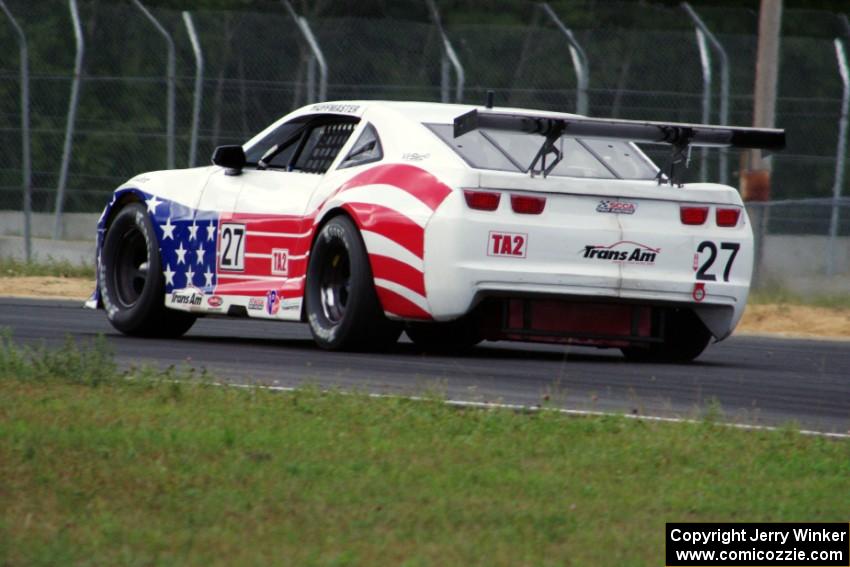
(130, 279)
(342, 307)
(685, 337)
(454, 336)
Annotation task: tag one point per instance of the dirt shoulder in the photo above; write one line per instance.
(783, 319)
(796, 321)
(46, 287)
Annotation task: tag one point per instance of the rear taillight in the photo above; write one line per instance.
(693, 215)
(525, 205)
(482, 200)
(727, 217)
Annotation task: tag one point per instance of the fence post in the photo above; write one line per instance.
(724, 84)
(73, 104)
(705, 62)
(579, 57)
(199, 87)
(171, 82)
(839, 156)
(449, 58)
(317, 58)
(26, 156)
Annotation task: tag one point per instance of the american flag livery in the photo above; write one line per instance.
(276, 249)
(250, 255)
(187, 244)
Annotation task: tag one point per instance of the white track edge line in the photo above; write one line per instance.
(564, 411)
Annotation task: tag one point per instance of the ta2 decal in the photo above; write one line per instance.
(280, 262)
(511, 244)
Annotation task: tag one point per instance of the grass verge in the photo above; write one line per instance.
(98, 469)
(781, 296)
(10, 267)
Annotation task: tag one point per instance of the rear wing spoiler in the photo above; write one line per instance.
(679, 135)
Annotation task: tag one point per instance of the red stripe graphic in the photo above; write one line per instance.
(403, 274)
(411, 179)
(389, 223)
(382, 220)
(398, 305)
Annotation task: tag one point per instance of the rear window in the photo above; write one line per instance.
(514, 151)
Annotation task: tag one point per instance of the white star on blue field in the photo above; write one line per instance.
(186, 244)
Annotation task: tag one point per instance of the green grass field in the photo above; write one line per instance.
(97, 469)
(10, 267)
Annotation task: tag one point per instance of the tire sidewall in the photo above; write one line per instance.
(338, 230)
(132, 318)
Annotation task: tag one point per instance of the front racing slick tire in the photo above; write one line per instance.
(342, 307)
(454, 336)
(130, 278)
(685, 337)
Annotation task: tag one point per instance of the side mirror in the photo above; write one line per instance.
(232, 158)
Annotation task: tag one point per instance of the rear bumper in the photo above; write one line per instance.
(464, 264)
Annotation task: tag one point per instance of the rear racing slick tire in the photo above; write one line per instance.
(341, 304)
(130, 278)
(685, 337)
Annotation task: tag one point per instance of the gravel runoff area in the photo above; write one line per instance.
(771, 319)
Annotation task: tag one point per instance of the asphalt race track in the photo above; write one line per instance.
(754, 379)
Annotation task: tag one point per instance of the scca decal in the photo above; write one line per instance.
(616, 207)
(511, 244)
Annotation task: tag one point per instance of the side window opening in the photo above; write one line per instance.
(366, 149)
(308, 144)
(270, 145)
(322, 145)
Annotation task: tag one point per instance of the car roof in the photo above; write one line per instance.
(414, 110)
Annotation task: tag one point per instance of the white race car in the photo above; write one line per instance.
(454, 223)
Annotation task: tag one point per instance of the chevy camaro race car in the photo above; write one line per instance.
(454, 223)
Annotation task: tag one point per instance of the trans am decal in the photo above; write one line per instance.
(622, 251)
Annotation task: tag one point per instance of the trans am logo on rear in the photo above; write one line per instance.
(623, 251)
(616, 207)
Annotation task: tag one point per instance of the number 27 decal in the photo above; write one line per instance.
(709, 246)
(232, 247)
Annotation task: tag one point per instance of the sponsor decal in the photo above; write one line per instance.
(256, 304)
(186, 297)
(414, 156)
(280, 261)
(510, 244)
(272, 302)
(291, 304)
(331, 107)
(617, 207)
(214, 301)
(624, 251)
